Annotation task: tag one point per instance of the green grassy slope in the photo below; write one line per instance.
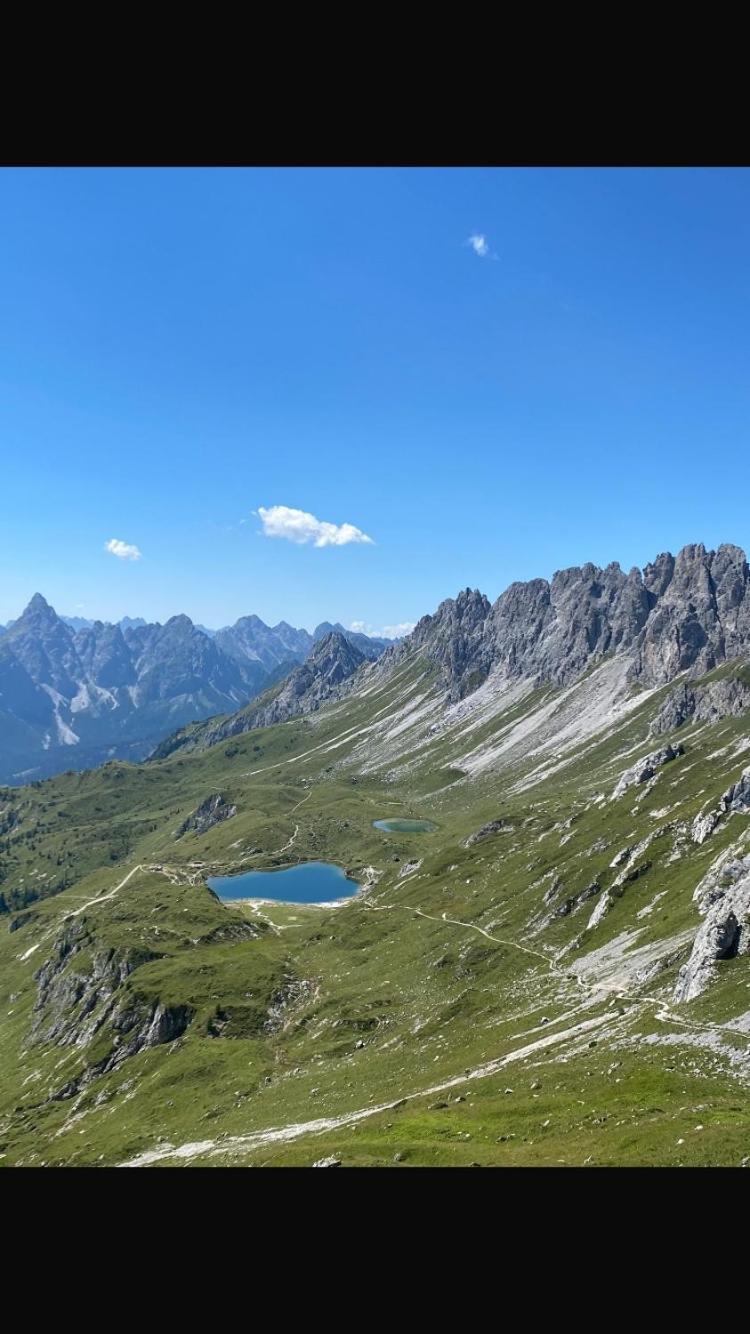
(443, 1016)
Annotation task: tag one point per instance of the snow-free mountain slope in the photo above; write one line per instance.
(558, 971)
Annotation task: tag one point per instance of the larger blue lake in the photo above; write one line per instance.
(310, 882)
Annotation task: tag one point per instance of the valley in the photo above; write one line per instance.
(546, 961)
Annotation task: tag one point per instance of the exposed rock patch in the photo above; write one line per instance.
(707, 703)
(644, 769)
(408, 868)
(736, 800)
(725, 932)
(75, 1002)
(492, 827)
(210, 812)
(737, 797)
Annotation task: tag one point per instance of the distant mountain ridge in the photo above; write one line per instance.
(74, 693)
(684, 614)
(333, 660)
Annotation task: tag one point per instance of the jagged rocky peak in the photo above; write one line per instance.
(701, 617)
(334, 658)
(455, 638)
(44, 647)
(688, 612)
(38, 606)
(324, 676)
(37, 617)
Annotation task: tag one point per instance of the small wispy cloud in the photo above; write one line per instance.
(122, 550)
(300, 527)
(481, 246)
(398, 631)
(384, 631)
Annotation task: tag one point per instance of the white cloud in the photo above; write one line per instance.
(123, 550)
(385, 631)
(479, 245)
(300, 527)
(397, 631)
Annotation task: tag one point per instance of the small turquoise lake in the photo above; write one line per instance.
(405, 826)
(310, 882)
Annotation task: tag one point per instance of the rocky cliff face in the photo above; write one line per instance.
(688, 613)
(723, 898)
(707, 703)
(210, 812)
(700, 617)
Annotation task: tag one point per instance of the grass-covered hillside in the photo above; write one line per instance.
(504, 990)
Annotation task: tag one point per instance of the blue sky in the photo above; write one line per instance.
(181, 350)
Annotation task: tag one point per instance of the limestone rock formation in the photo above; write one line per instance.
(725, 931)
(210, 812)
(707, 703)
(644, 769)
(685, 613)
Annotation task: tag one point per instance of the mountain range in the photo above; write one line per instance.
(74, 693)
(688, 613)
(544, 803)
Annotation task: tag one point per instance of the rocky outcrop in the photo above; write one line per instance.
(71, 1003)
(332, 661)
(553, 631)
(644, 769)
(724, 898)
(409, 868)
(492, 827)
(285, 1002)
(210, 812)
(703, 826)
(455, 638)
(78, 1001)
(137, 1025)
(707, 703)
(600, 911)
(736, 799)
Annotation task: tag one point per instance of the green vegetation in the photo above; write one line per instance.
(282, 1015)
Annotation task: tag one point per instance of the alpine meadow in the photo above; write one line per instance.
(454, 878)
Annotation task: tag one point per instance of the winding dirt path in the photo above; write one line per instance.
(103, 898)
(285, 1134)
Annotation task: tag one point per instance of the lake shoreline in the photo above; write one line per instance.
(320, 876)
